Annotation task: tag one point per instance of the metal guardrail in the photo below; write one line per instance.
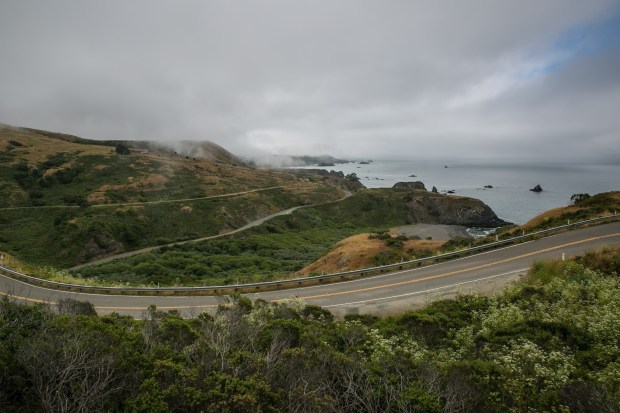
(282, 284)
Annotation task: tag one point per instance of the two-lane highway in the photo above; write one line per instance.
(379, 294)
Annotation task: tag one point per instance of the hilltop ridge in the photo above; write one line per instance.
(206, 150)
(67, 200)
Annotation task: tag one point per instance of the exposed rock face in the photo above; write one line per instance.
(100, 245)
(321, 172)
(279, 161)
(348, 184)
(409, 185)
(450, 210)
(537, 188)
(434, 189)
(336, 178)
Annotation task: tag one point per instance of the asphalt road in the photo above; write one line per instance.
(383, 294)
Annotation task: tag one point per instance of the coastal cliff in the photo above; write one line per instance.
(432, 208)
(386, 207)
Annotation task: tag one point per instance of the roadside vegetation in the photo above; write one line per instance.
(548, 343)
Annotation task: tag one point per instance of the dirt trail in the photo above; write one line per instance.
(164, 201)
(169, 201)
(235, 231)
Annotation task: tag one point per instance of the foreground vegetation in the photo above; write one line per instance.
(549, 343)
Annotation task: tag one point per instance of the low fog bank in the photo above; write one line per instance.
(289, 161)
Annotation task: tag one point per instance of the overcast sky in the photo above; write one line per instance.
(380, 79)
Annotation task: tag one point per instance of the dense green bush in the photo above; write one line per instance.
(547, 344)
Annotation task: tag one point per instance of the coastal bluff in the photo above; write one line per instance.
(430, 208)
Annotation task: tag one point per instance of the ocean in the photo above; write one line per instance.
(510, 198)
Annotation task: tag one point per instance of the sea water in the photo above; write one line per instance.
(510, 196)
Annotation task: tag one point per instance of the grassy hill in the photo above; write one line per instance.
(68, 200)
(583, 207)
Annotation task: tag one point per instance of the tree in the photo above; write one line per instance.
(576, 199)
(68, 371)
(122, 149)
(69, 306)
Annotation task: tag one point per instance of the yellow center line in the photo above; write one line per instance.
(176, 307)
(447, 274)
(34, 300)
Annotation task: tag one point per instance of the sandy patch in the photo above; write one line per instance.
(436, 232)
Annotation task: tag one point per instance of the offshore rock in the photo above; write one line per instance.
(537, 188)
(410, 185)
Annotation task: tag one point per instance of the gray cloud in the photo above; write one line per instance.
(349, 78)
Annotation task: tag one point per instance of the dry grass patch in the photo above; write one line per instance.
(359, 251)
(152, 182)
(38, 148)
(552, 213)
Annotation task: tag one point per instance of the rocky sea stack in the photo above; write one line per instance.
(537, 188)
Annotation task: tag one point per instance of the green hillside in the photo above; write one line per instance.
(67, 201)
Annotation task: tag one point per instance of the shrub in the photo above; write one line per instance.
(122, 149)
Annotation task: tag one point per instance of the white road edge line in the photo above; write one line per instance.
(401, 272)
(428, 290)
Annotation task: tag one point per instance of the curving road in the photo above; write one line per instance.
(379, 294)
